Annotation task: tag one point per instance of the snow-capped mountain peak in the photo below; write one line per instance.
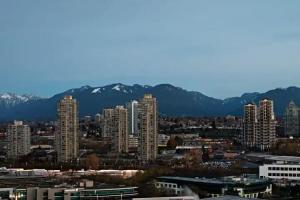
(117, 87)
(11, 99)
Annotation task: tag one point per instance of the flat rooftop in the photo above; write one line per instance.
(225, 198)
(228, 180)
(291, 159)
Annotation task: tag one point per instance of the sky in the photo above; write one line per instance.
(219, 48)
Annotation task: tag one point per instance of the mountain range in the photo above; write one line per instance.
(172, 101)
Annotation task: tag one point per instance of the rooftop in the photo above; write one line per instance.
(291, 159)
(229, 180)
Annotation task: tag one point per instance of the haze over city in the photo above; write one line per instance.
(221, 49)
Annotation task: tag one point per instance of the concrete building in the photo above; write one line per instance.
(132, 108)
(292, 120)
(277, 167)
(18, 135)
(107, 122)
(67, 136)
(280, 171)
(38, 193)
(244, 186)
(120, 130)
(147, 128)
(266, 125)
(133, 143)
(267, 158)
(250, 123)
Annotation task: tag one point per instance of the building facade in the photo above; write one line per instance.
(147, 128)
(246, 187)
(67, 136)
(250, 125)
(18, 135)
(120, 130)
(133, 143)
(266, 125)
(108, 123)
(280, 171)
(132, 108)
(292, 120)
(38, 193)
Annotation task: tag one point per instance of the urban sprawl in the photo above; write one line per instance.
(132, 152)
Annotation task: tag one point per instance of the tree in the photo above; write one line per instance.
(174, 142)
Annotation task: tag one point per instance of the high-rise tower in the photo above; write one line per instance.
(18, 140)
(132, 117)
(67, 136)
(250, 125)
(291, 120)
(266, 125)
(120, 130)
(107, 128)
(147, 128)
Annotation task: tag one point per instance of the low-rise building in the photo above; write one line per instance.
(36, 193)
(244, 186)
(167, 198)
(280, 171)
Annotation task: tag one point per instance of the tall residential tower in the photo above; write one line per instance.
(132, 108)
(18, 140)
(266, 125)
(291, 120)
(147, 128)
(120, 130)
(250, 125)
(67, 136)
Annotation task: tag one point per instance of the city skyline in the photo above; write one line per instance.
(217, 47)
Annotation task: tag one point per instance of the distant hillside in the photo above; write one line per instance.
(172, 101)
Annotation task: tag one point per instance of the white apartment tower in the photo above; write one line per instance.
(18, 135)
(147, 128)
(67, 136)
(132, 108)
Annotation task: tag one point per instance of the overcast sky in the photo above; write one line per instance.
(219, 48)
